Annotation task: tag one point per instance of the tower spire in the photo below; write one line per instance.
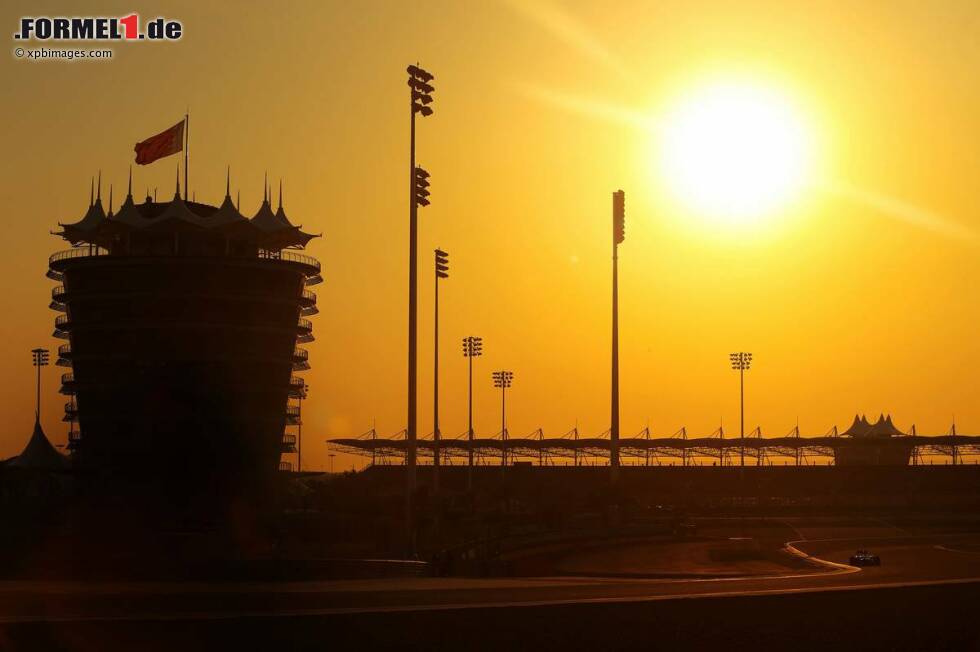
(228, 183)
(110, 199)
(238, 204)
(265, 187)
(98, 197)
(129, 190)
(177, 194)
(280, 194)
(91, 193)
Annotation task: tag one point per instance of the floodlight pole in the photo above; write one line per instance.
(503, 425)
(37, 402)
(614, 403)
(435, 391)
(469, 428)
(410, 432)
(441, 271)
(502, 379)
(419, 97)
(618, 224)
(741, 361)
(39, 358)
(472, 347)
(741, 413)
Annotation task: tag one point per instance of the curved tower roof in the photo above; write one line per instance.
(265, 230)
(39, 454)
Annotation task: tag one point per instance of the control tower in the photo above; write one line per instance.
(182, 324)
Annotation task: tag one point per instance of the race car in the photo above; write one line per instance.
(865, 558)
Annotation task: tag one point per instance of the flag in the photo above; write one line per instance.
(163, 144)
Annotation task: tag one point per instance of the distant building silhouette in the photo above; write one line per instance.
(867, 448)
(182, 321)
(39, 454)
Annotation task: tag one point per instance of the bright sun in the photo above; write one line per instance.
(734, 152)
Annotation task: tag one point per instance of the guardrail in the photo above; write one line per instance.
(289, 440)
(64, 350)
(77, 252)
(92, 251)
(290, 256)
(296, 381)
(58, 293)
(304, 324)
(67, 378)
(298, 354)
(310, 296)
(60, 321)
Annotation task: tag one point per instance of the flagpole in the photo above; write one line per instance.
(187, 140)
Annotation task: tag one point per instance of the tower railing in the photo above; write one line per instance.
(93, 251)
(77, 252)
(290, 256)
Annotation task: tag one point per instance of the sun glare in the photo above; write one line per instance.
(734, 152)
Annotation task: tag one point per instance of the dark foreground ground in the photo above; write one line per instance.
(613, 596)
(908, 618)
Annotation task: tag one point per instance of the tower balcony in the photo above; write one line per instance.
(301, 359)
(62, 322)
(57, 260)
(58, 298)
(71, 412)
(292, 415)
(307, 304)
(64, 355)
(296, 386)
(288, 444)
(309, 265)
(68, 383)
(305, 328)
(74, 440)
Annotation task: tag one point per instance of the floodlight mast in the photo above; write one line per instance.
(741, 361)
(619, 234)
(420, 98)
(472, 348)
(39, 358)
(441, 272)
(503, 379)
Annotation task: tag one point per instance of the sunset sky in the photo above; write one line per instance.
(857, 291)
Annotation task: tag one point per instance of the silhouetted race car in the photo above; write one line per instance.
(865, 558)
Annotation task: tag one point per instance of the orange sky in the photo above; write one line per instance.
(853, 300)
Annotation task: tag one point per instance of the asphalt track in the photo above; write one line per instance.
(907, 560)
